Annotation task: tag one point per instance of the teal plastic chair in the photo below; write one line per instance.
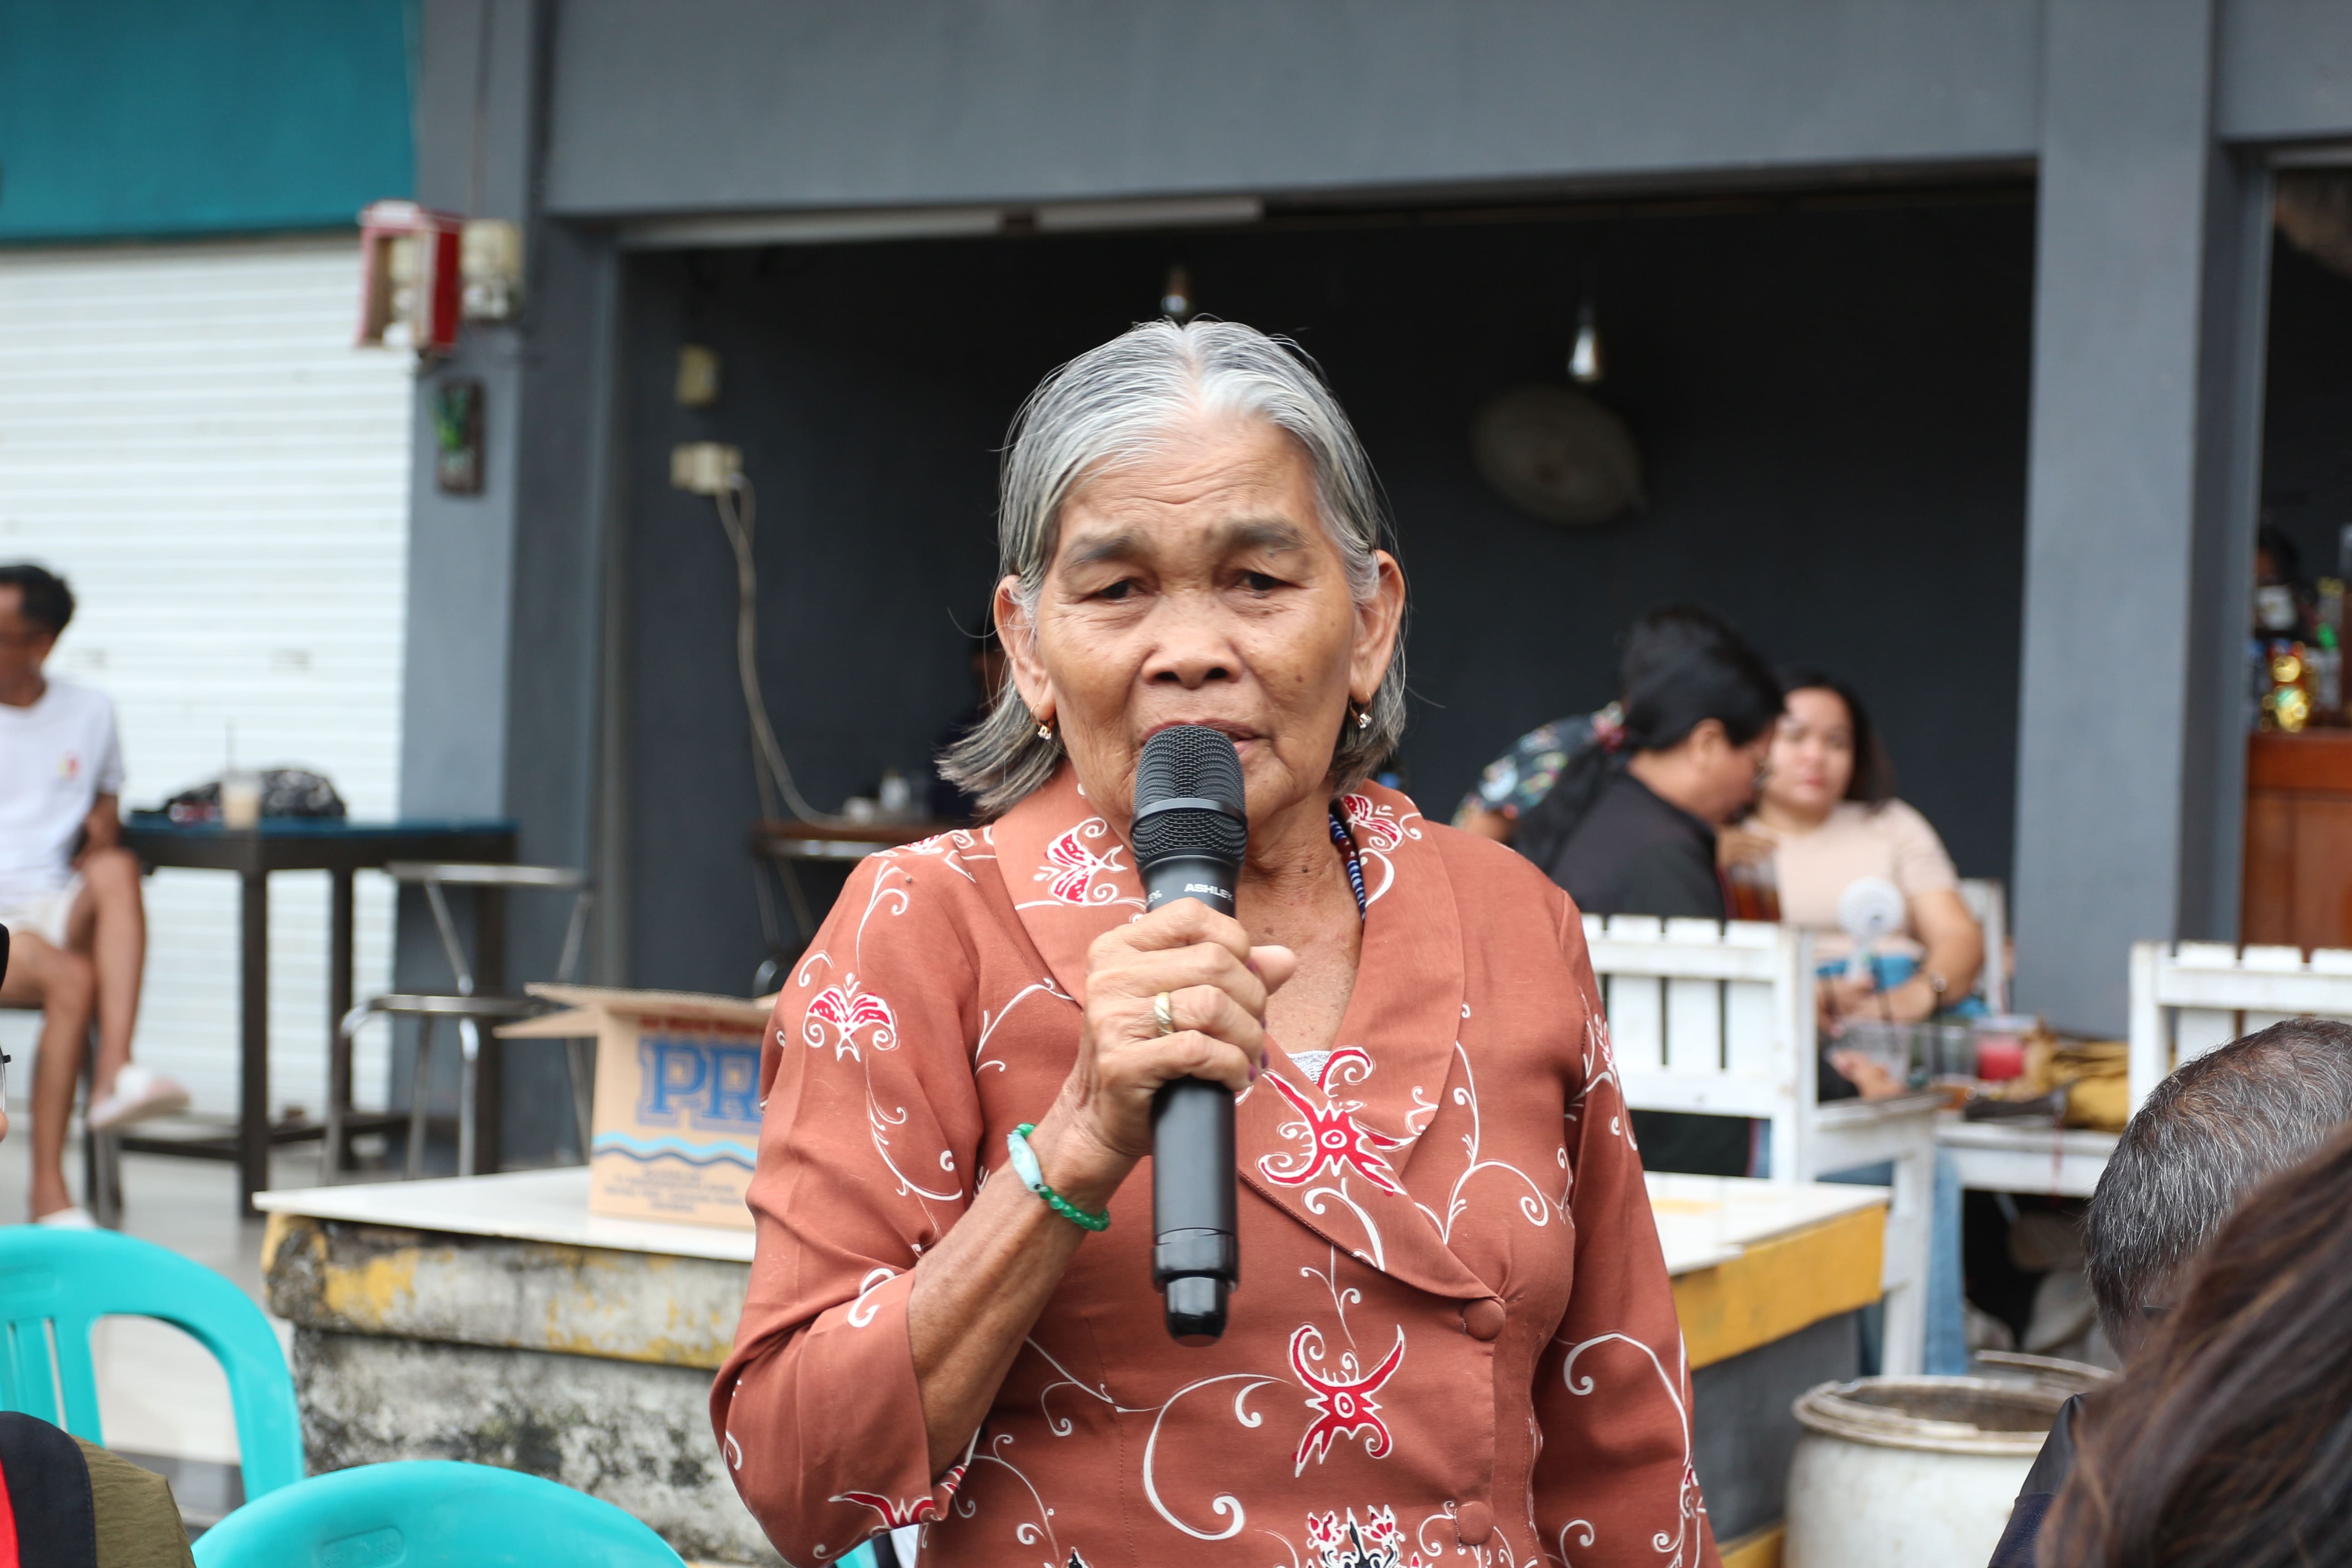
(430, 1513)
(56, 1284)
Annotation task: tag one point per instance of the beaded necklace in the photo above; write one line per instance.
(1347, 843)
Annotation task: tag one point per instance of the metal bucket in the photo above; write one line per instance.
(1914, 1470)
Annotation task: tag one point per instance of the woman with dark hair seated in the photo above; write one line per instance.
(1630, 828)
(2228, 1440)
(1828, 811)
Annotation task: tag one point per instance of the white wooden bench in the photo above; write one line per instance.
(1718, 1020)
(2189, 998)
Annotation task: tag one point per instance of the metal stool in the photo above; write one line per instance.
(470, 1011)
(101, 1152)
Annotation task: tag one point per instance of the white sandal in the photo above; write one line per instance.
(138, 1094)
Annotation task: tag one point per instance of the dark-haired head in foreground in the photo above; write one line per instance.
(2208, 1135)
(2228, 1441)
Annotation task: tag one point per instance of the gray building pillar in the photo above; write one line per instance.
(500, 701)
(2152, 260)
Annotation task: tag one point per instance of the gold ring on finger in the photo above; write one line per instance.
(1163, 1013)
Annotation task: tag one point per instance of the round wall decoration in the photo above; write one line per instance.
(1555, 454)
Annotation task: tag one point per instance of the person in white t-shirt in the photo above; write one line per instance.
(69, 891)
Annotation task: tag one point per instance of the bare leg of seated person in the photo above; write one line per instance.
(93, 977)
(64, 986)
(109, 927)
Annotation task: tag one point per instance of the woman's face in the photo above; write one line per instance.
(1813, 754)
(1196, 584)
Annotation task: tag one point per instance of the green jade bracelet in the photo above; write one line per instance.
(1033, 1176)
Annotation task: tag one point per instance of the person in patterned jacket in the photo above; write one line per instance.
(1516, 782)
(1453, 1341)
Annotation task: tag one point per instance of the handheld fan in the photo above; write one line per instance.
(1870, 908)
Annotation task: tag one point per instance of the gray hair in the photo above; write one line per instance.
(2208, 1135)
(1110, 405)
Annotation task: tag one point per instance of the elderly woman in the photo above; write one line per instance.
(1454, 1323)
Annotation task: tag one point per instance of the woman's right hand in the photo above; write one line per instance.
(1217, 985)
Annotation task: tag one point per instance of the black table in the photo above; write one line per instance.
(338, 847)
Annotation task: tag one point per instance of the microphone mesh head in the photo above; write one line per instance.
(1190, 761)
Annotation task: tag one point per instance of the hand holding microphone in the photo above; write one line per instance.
(1200, 958)
(1190, 829)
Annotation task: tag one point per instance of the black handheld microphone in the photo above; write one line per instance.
(1188, 831)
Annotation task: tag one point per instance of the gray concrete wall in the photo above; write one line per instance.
(505, 587)
(2284, 70)
(586, 1366)
(2130, 762)
(725, 104)
(741, 104)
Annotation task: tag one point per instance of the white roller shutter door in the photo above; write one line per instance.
(187, 435)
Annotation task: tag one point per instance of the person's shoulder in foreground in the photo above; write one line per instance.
(2020, 1538)
(1501, 895)
(1491, 869)
(66, 1503)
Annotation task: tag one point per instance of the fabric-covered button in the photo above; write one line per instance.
(1483, 1318)
(1473, 1522)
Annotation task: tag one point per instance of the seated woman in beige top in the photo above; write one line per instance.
(1827, 807)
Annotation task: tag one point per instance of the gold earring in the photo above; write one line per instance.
(1045, 731)
(1363, 718)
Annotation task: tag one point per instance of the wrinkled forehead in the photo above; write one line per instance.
(1206, 484)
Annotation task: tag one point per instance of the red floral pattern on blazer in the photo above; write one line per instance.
(1453, 1341)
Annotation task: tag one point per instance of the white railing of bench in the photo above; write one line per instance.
(1717, 1018)
(2190, 997)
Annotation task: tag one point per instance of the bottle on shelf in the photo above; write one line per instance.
(2287, 705)
(2325, 663)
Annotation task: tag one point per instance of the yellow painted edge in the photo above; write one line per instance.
(1757, 1548)
(1777, 1286)
(273, 1235)
(369, 1298)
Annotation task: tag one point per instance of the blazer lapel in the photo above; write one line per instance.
(1070, 877)
(1335, 1153)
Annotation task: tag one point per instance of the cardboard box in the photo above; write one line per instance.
(676, 1124)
